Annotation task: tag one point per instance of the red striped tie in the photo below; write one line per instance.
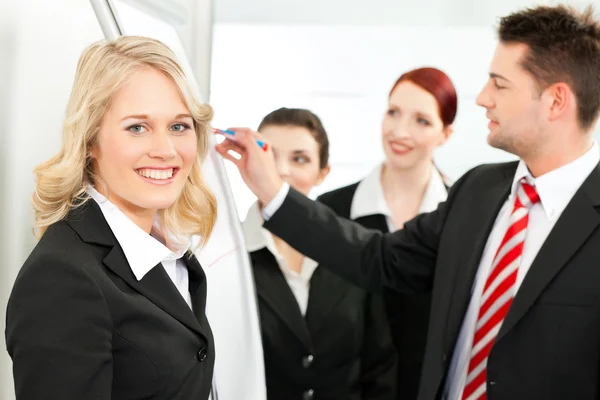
(498, 291)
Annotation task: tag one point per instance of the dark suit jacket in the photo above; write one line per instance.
(408, 314)
(341, 349)
(549, 344)
(80, 326)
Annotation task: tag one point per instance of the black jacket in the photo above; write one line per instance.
(341, 349)
(549, 344)
(80, 326)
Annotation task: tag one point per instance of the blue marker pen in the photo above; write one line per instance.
(264, 146)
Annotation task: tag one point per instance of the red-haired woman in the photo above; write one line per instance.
(421, 109)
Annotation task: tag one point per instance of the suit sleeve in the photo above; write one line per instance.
(403, 260)
(59, 333)
(378, 376)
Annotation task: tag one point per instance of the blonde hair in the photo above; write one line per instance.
(103, 68)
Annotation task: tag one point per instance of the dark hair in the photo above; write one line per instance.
(304, 119)
(439, 85)
(563, 46)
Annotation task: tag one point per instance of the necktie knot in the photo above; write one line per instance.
(526, 194)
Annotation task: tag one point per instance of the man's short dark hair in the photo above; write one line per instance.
(564, 46)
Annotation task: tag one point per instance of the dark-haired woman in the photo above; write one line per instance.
(323, 337)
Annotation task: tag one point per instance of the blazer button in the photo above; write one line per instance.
(308, 395)
(308, 360)
(202, 353)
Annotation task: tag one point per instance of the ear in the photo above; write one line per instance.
(93, 152)
(323, 174)
(557, 100)
(446, 133)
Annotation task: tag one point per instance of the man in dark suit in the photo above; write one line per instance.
(512, 256)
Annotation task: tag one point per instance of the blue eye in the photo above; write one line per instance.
(392, 113)
(180, 127)
(423, 121)
(136, 129)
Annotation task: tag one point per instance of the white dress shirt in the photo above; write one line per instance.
(144, 251)
(369, 198)
(556, 189)
(257, 238)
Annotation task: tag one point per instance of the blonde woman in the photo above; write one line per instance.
(111, 303)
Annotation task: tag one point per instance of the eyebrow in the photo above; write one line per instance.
(145, 116)
(296, 152)
(498, 76)
(418, 113)
(424, 115)
(301, 152)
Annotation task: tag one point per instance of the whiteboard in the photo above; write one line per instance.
(231, 301)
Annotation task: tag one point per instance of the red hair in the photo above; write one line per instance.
(439, 85)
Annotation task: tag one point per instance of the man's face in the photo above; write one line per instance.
(512, 102)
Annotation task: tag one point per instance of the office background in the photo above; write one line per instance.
(337, 57)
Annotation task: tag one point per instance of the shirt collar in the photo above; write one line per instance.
(557, 187)
(142, 251)
(257, 238)
(435, 193)
(255, 235)
(369, 198)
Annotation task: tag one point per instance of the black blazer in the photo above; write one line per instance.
(408, 314)
(549, 344)
(340, 350)
(80, 326)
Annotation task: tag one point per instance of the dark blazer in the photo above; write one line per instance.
(549, 344)
(408, 314)
(341, 349)
(80, 326)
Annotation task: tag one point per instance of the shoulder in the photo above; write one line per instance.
(58, 260)
(59, 242)
(55, 294)
(478, 181)
(488, 174)
(339, 199)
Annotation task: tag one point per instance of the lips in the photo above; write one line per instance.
(158, 176)
(492, 120)
(399, 148)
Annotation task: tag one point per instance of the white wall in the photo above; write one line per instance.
(373, 12)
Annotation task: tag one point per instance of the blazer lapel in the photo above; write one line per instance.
(326, 292)
(89, 223)
(477, 228)
(197, 279)
(577, 222)
(273, 289)
(156, 286)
